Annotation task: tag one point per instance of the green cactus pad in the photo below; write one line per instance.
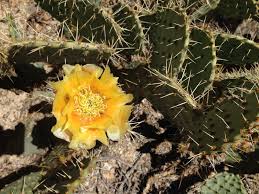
(251, 74)
(63, 169)
(204, 9)
(236, 86)
(85, 19)
(236, 9)
(199, 69)
(66, 178)
(133, 35)
(84, 172)
(234, 83)
(57, 157)
(223, 123)
(236, 50)
(167, 95)
(223, 183)
(170, 38)
(25, 184)
(171, 99)
(57, 52)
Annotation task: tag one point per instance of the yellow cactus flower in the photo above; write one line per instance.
(89, 105)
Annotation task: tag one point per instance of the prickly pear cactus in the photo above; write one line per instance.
(86, 19)
(193, 77)
(223, 183)
(222, 124)
(204, 8)
(236, 9)
(236, 50)
(133, 32)
(169, 34)
(199, 68)
(57, 52)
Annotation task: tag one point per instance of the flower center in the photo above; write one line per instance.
(89, 104)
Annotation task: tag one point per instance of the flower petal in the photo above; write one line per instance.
(73, 106)
(108, 78)
(68, 68)
(61, 99)
(93, 69)
(60, 133)
(87, 139)
(120, 124)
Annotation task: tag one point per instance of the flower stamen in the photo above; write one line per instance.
(89, 104)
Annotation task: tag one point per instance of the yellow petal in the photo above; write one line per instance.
(120, 123)
(108, 78)
(60, 133)
(61, 121)
(101, 122)
(73, 107)
(84, 78)
(68, 68)
(87, 139)
(115, 104)
(93, 69)
(124, 115)
(60, 101)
